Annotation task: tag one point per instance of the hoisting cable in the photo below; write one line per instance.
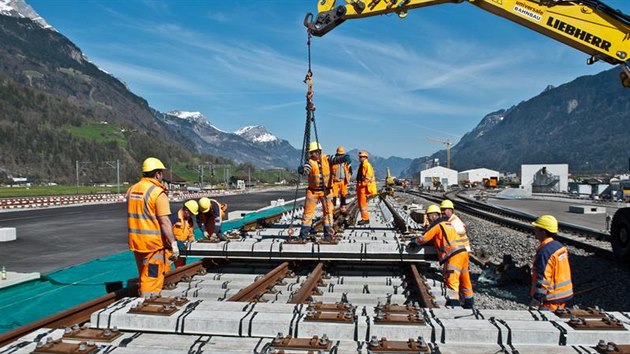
(310, 120)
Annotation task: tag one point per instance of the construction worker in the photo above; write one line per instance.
(551, 272)
(150, 232)
(448, 211)
(211, 218)
(317, 168)
(452, 254)
(366, 186)
(183, 229)
(341, 174)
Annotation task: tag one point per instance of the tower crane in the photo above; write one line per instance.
(448, 144)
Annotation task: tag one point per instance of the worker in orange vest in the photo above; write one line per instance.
(341, 175)
(448, 211)
(452, 254)
(366, 186)
(551, 273)
(317, 168)
(210, 218)
(183, 229)
(150, 232)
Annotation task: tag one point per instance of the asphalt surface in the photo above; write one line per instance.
(55, 238)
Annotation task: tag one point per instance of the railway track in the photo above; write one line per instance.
(574, 235)
(261, 292)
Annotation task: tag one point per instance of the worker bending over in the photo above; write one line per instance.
(150, 232)
(366, 186)
(341, 174)
(211, 218)
(183, 229)
(448, 211)
(551, 272)
(318, 168)
(452, 254)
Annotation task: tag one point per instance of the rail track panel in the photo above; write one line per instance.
(263, 294)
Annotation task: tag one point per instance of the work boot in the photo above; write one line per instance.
(304, 231)
(469, 303)
(328, 233)
(363, 222)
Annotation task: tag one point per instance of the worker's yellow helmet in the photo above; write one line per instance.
(341, 150)
(152, 164)
(192, 206)
(433, 208)
(314, 146)
(447, 204)
(204, 204)
(363, 153)
(547, 222)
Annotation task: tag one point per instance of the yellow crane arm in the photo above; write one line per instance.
(586, 25)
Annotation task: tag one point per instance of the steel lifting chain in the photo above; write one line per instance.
(310, 120)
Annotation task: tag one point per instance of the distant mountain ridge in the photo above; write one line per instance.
(584, 123)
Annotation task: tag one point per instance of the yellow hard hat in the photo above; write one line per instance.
(313, 146)
(547, 222)
(204, 204)
(433, 208)
(152, 164)
(447, 204)
(341, 150)
(192, 206)
(363, 153)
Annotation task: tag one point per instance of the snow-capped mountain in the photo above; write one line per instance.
(19, 8)
(256, 134)
(252, 144)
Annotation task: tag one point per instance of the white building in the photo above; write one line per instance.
(477, 175)
(545, 178)
(445, 176)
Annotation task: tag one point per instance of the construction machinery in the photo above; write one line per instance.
(448, 145)
(589, 26)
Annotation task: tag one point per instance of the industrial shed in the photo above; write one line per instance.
(477, 175)
(446, 176)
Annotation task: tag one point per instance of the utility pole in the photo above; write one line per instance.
(77, 169)
(249, 176)
(448, 144)
(111, 164)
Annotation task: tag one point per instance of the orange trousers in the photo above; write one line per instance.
(312, 197)
(151, 269)
(552, 307)
(457, 277)
(362, 197)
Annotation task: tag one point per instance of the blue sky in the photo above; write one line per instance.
(381, 84)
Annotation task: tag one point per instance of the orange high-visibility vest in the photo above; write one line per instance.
(551, 273)
(144, 233)
(183, 229)
(365, 177)
(346, 172)
(319, 177)
(446, 240)
(460, 227)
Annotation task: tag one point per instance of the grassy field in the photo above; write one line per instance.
(39, 191)
(98, 132)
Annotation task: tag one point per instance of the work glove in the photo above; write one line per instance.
(413, 245)
(175, 250)
(534, 304)
(347, 158)
(301, 170)
(206, 234)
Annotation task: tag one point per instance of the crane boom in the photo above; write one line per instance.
(586, 25)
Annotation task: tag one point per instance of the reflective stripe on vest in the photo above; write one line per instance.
(143, 227)
(319, 178)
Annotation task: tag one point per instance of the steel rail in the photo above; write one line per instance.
(306, 290)
(260, 286)
(500, 216)
(81, 313)
(424, 295)
(399, 221)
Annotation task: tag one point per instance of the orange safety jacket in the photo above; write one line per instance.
(460, 227)
(144, 233)
(446, 240)
(346, 172)
(319, 176)
(551, 273)
(365, 177)
(182, 228)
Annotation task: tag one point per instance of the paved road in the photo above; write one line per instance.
(55, 238)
